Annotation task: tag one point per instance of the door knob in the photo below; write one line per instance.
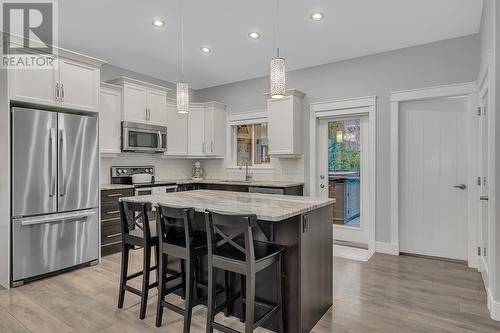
(322, 186)
(461, 186)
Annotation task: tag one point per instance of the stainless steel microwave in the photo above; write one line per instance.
(143, 138)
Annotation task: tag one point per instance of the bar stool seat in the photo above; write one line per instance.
(265, 255)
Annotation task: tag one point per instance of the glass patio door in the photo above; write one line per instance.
(343, 146)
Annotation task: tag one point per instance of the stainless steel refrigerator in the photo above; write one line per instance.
(55, 184)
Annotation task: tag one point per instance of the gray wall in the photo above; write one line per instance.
(446, 62)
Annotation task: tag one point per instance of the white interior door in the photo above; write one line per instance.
(483, 182)
(433, 177)
(344, 172)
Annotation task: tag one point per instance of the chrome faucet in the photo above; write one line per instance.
(248, 176)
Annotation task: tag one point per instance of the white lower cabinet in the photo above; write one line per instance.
(110, 116)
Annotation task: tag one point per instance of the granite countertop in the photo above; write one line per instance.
(105, 187)
(267, 207)
(263, 183)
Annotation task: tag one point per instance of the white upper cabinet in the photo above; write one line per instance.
(285, 125)
(143, 102)
(207, 129)
(215, 129)
(73, 83)
(110, 116)
(196, 130)
(79, 85)
(177, 131)
(157, 106)
(135, 103)
(33, 86)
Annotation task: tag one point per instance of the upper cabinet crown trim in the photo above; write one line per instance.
(124, 79)
(80, 57)
(289, 92)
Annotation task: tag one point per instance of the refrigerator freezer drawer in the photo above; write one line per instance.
(45, 244)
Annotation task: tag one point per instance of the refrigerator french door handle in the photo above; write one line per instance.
(53, 161)
(56, 217)
(64, 155)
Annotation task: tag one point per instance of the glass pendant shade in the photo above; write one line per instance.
(278, 78)
(182, 97)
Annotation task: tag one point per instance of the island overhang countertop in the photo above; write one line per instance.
(267, 207)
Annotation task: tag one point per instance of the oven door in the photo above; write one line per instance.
(144, 138)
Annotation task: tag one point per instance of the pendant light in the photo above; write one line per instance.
(182, 87)
(278, 72)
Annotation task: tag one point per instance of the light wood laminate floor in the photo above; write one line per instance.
(386, 294)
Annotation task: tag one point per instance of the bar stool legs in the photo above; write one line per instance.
(250, 303)
(123, 274)
(162, 267)
(145, 282)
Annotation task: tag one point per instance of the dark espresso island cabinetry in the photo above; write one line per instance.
(301, 224)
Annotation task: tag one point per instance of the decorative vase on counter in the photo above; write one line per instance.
(197, 171)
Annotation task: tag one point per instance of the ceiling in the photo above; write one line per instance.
(121, 32)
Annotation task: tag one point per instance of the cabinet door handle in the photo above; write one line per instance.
(114, 235)
(62, 92)
(305, 224)
(212, 147)
(146, 116)
(57, 91)
(109, 220)
(113, 212)
(114, 195)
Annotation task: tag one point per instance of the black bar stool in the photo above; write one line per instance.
(231, 247)
(137, 232)
(177, 239)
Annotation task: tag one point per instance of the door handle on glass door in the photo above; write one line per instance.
(460, 187)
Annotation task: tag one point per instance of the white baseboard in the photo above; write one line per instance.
(352, 253)
(493, 306)
(387, 248)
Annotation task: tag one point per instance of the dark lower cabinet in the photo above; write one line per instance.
(292, 190)
(110, 219)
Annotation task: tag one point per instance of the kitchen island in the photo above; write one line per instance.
(301, 224)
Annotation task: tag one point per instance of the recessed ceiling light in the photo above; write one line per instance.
(205, 49)
(317, 16)
(254, 35)
(158, 23)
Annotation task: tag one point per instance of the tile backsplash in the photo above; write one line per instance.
(165, 168)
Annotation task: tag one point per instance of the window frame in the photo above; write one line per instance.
(233, 143)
